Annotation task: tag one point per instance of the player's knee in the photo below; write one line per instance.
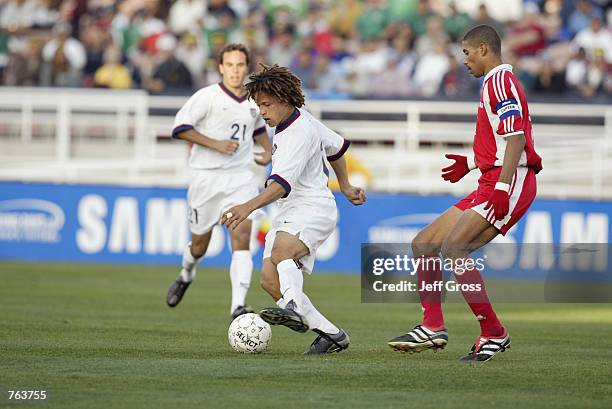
(280, 254)
(198, 250)
(421, 247)
(450, 250)
(241, 240)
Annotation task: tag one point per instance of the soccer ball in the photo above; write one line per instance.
(249, 334)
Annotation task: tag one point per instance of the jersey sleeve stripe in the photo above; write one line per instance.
(341, 152)
(281, 181)
(181, 128)
(259, 131)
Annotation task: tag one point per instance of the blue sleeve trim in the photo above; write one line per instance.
(279, 179)
(341, 152)
(179, 129)
(505, 102)
(509, 114)
(259, 131)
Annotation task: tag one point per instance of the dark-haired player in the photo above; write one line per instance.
(222, 125)
(307, 211)
(504, 153)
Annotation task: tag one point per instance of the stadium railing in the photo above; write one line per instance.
(123, 137)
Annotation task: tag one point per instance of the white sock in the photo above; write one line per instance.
(315, 319)
(241, 270)
(291, 282)
(281, 302)
(188, 272)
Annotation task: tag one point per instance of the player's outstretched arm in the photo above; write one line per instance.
(461, 167)
(264, 157)
(191, 135)
(355, 195)
(234, 216)
(500, 197)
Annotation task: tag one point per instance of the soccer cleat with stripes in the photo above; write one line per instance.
(420, 339)
(485, 348)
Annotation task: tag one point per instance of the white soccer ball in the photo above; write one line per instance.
(249, 334)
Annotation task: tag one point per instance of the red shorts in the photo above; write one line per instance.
(523, 190)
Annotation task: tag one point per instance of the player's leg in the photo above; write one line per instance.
(192, 254)
(241, 268)
(470, 233)
(431, 333)
(287, 249)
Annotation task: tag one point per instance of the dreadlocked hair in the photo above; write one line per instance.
(278, 82)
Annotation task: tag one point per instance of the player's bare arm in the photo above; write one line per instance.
(355, 195)
(500, 197)
(237, 214)
(191, 135)
(515, 146)
(263, 158)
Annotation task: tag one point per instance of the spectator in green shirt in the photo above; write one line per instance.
(457, 22)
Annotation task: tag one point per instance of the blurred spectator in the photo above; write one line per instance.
(186, 15)
(435, 34)
(373, 19)
(526, 36)
(327, 75)
(483, 17)
(359, 47)
(171, 75)
(457, 22)
(457, 82)
(549, 80)
(430, 70)
(113, 74)
(282, 48)
(595, 39)
(344, 15)
(418, 21)
(391, 82)
(582, 16)
(64, 58)
(575, 73)
(304, 66)
(191, 53)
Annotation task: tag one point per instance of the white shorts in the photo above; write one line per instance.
(314, 222)
(212, 192)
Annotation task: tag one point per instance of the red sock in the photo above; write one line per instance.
(429, 272)
(478, 300)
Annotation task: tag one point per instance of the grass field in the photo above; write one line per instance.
(102, 337)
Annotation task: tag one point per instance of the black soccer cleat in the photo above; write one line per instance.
(176, 292)
(284, 316)
(241, 310)
(486, 348)
(328, 343)
(420, 339)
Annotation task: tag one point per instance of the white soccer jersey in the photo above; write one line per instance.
(217, 113)
(300, 145)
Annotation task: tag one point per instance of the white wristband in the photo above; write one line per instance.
(471, 162)
(502, 186)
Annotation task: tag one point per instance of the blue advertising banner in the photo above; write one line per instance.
(108, 224)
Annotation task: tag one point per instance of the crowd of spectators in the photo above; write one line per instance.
(362, 48)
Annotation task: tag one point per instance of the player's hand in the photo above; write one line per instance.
(263, 158)
(235, 215)
(457, 170)
(499, 201)
(226, 147)
(355, 195)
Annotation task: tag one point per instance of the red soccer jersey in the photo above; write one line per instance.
(503, 112)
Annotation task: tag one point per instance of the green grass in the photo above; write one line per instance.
(102, 337)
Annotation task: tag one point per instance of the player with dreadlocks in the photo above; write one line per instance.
(307, 211)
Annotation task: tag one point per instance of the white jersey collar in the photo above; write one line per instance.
(498, 69)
